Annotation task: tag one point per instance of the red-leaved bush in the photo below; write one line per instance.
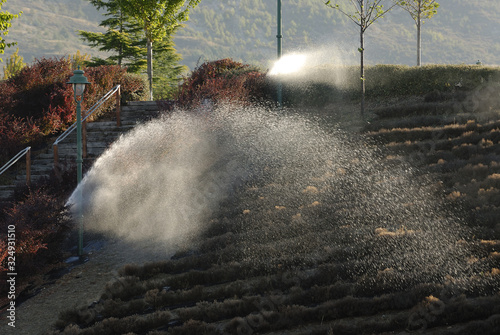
(38, 101)
(40, 227)
(222, 81)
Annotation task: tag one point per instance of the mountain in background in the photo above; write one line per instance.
(463, 31)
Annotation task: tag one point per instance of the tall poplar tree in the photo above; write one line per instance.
(5, 23)
(363, 13)
(419, 10)
(158, 18)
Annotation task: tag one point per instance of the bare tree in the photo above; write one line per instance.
(363, 13)
(419, 9)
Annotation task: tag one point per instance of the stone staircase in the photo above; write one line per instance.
(100, 134)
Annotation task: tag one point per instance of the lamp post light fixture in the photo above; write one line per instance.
(79, 81)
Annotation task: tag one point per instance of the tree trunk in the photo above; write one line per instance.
(362, 74)
(419, 38)
(150, 68)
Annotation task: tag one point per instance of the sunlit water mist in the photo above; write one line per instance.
(321, 65)
(165, 180)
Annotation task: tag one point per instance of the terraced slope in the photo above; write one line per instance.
(462, 151)
(324, 234)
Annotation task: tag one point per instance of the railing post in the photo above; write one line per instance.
(118, 107)
(28, 167)
(56, 156)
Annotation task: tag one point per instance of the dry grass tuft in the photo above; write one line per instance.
(495, 254)
(455, 195)
(491, 243)
(310, 190)
(314, 204)
(399, 232)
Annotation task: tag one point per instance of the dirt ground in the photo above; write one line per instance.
(82, 285)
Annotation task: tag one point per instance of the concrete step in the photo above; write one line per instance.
(6, 191)
(100, 135)
(137, 105)
(107, 124)
(34, 177)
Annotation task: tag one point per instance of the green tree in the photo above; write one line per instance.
(158, 18)
(14, 65)
(124, 38)
(167, 69)
(363, 13)
(5, 23)
(78, 60)
(419, 9)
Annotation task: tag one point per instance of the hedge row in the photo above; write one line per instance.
(323, 84)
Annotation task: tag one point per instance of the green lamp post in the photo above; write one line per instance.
(79, 81)
(279, 37)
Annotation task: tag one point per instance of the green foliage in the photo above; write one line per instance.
(78, 60)
(126, 40)
(123, 37)
(14, 65)
(168, 73)
(419, 9)
(159, 19)
(5, 23)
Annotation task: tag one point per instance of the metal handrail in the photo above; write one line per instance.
(26, 151)
(89, 113)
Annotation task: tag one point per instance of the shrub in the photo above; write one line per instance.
(222, 80)
(473, 86)
(40, 225)
(38, 101)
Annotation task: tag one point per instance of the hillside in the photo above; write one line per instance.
(48, 28)
(324, 232)
(302, 220)
(461, 32)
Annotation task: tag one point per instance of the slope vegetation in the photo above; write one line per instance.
(392, 230)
